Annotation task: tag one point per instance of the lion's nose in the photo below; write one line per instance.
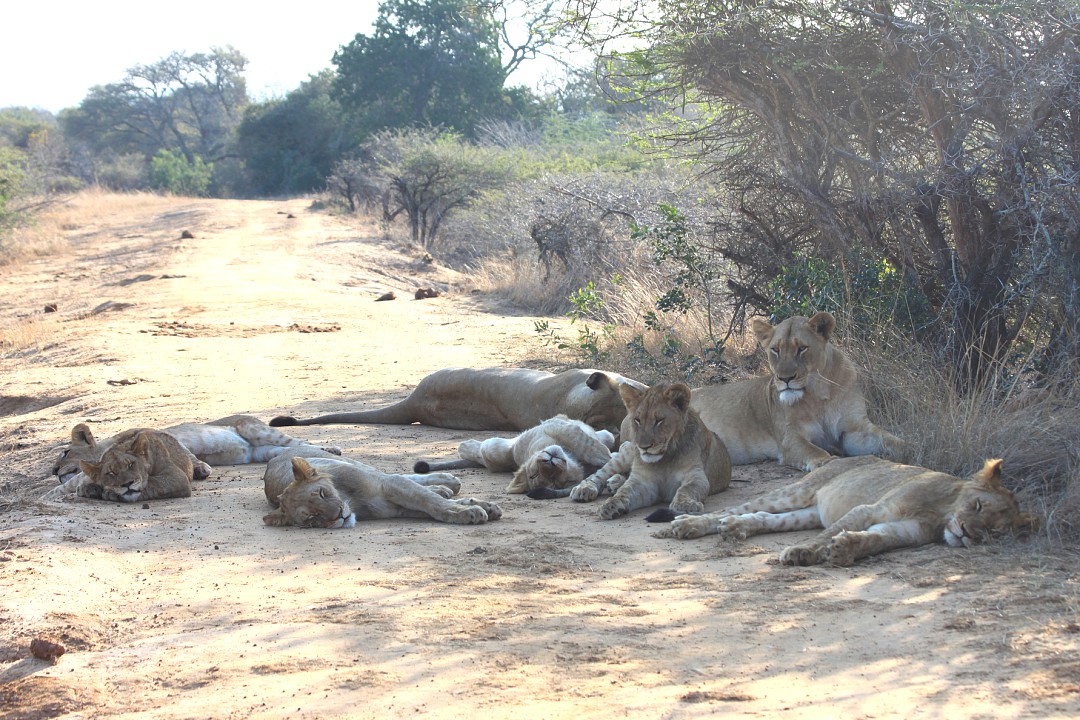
(786, 379)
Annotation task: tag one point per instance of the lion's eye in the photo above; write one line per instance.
(802, 349)
(774, 351)
(322, 493)
(978, 505)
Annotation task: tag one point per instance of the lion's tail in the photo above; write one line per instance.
(423, 467)
(666, 515)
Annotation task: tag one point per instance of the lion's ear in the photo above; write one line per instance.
(277, 518)
(630, 395)
(302, 470)
(519, 483)
(762, 330)
(990, 475)
(823, 324)
(81, 435)
(141, 445)
(597, 379)
(1025, 523)
(90, 469)
(678, 395)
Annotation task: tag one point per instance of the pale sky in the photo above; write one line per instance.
(52, 53)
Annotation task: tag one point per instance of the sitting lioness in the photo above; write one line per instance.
(554, 454)
(807, 407)
(868, 506)
(496, 399)
(234, 440)
(670, 456)
(325, 491)
(148, 465)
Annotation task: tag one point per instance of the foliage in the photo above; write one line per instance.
(11, 179)
(172, 172)
(430, 64)
(290, 145)
(424, 176)
(190, 104)
(591, 346)
(938, 136)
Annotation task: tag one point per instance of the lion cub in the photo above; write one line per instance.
(670, 456)
(325, 491)
(868, 506)
(554, 454)
(148, 465)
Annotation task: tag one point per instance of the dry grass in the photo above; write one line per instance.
(26, 334)
(47, 231)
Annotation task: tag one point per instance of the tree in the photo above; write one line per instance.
(938, 136)
(430, 63)
(187, 103)
(291, 145)
(423, 175)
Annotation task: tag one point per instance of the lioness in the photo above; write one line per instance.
(332, 492)
(670, 456)
(233, 440)
(146, 466)
(808, 405)
(554, 454)
(868, 506)
(496, 399)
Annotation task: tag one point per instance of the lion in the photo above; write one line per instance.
(326, 491)
(868, 505)
(148, 465)
(670, 456)
(496, 399)
(808, 406)
(557, 453)
(233, 440)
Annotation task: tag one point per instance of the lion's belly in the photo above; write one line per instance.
(214, 444)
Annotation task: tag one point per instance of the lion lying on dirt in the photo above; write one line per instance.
(496, 399)
(233, 440)
(868, 506)
(808, 406)
(670, 456)
(148, 465)
(557, 453)
(325, 491)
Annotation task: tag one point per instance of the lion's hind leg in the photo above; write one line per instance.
(847, 547)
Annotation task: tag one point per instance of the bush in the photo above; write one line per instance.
(170, 171)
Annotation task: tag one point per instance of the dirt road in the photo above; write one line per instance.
(194, 609)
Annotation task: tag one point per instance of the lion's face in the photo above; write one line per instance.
(985, 508)
(122, 474)
(551, 467)
(796, 350)
(311, 500)
(658, 417)
(83, 448)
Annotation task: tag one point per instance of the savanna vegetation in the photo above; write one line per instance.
(911, 167)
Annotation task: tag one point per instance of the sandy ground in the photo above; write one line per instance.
(193, 608)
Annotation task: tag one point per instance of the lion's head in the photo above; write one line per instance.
(83, 447)
(551, 467)
(124, 470)
(657, 418)
(797, 349)
(311, 500)
(985, 508)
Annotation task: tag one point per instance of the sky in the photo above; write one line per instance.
(53, 53)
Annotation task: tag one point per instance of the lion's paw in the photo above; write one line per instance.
(584, 491)
(688, 527)
(733, 527)
(494, 512)
(614, 508)
(200, 470)
(615, 482)
(842, 550)
(686, 505)
(442, 491)
(446, 480)
(664, 533)
(800, 555)
(332, 449)
(471, 515)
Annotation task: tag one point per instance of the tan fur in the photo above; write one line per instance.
(670, 457)
(557, 453)
(325, 491)
(809, 406)
(496, 399)
(233, 440)
(147, 465)
(868, 506)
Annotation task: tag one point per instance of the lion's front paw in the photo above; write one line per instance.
(842, 550)
(442, 491)
(800, 555)
(201, 470)
(615, 482)
(614, 508)
(733, 527)
(686, 505)
(494, 512)
(688, 527)
(451, 482)
(471, 515)
(332, 449)
(584, 491)
(90, 490)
